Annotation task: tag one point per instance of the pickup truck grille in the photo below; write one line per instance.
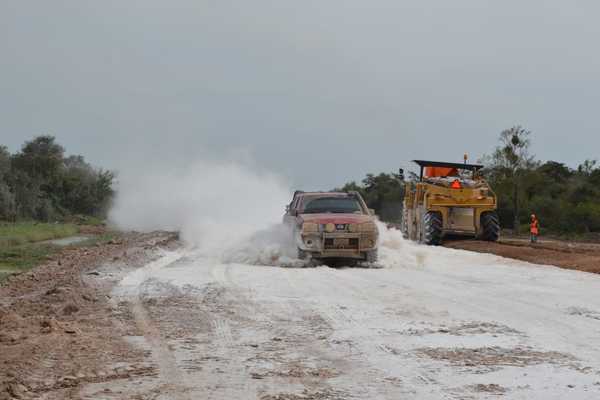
(341, 243)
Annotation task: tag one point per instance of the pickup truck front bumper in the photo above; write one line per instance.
(337, 244)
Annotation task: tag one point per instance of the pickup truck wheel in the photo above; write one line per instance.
(372, 256)
(302, 255)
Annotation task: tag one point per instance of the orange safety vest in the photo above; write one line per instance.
(534, 227)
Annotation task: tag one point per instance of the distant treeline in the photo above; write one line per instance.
(40, 183)
(383, 193)
(566, 200)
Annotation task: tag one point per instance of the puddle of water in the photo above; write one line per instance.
(67, 241)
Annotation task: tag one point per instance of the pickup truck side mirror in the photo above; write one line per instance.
(372, 211)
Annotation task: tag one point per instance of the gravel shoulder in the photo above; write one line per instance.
(58, 327)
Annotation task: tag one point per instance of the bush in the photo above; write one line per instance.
(565, 200)
(8, 210)
(40, 183)
(585, 217)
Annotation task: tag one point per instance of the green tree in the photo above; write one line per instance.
(85, 190)
(7, 197)
(38, 171)
(383, 192)
(40, 183)
(508, 166)
(4, 162)
(41, 157)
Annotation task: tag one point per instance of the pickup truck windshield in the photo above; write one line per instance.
(338, 205)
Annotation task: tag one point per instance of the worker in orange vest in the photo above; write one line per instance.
(534, 228)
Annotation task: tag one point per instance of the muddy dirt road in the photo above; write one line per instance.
(571, 255)
(432, 323)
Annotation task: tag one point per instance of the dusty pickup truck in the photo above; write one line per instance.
(332, 225)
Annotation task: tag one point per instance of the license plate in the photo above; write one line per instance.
(341, 243)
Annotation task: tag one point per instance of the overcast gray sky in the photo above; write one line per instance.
(320, 91)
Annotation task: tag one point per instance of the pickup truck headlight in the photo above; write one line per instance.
(310, 227)
(330, 227)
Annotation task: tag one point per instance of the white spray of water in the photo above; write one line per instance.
(219, 208)
(228, 212)
(395, 251)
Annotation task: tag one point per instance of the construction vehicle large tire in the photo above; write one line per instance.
(490, 226)
(432, 228)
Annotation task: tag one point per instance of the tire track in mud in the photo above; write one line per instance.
(222, 332)
(276, 331)
(290, 351)
(305, 332)
(426, 370)
(133, 289)
(47, 362)
(168, 371)
(440, 284)
(372, 347)
(228, 377)
(351, 355)
(485, 286)
(417, 371)
(221, 326)
(274, 343)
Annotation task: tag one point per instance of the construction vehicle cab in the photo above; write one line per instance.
(449, 198)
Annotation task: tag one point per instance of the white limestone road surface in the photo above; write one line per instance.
(432, 323)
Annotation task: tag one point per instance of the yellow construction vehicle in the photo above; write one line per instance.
(449, 199)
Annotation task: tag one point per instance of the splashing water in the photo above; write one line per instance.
(212, 204)
(231, 213)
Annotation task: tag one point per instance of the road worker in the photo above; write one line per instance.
(534, 228)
